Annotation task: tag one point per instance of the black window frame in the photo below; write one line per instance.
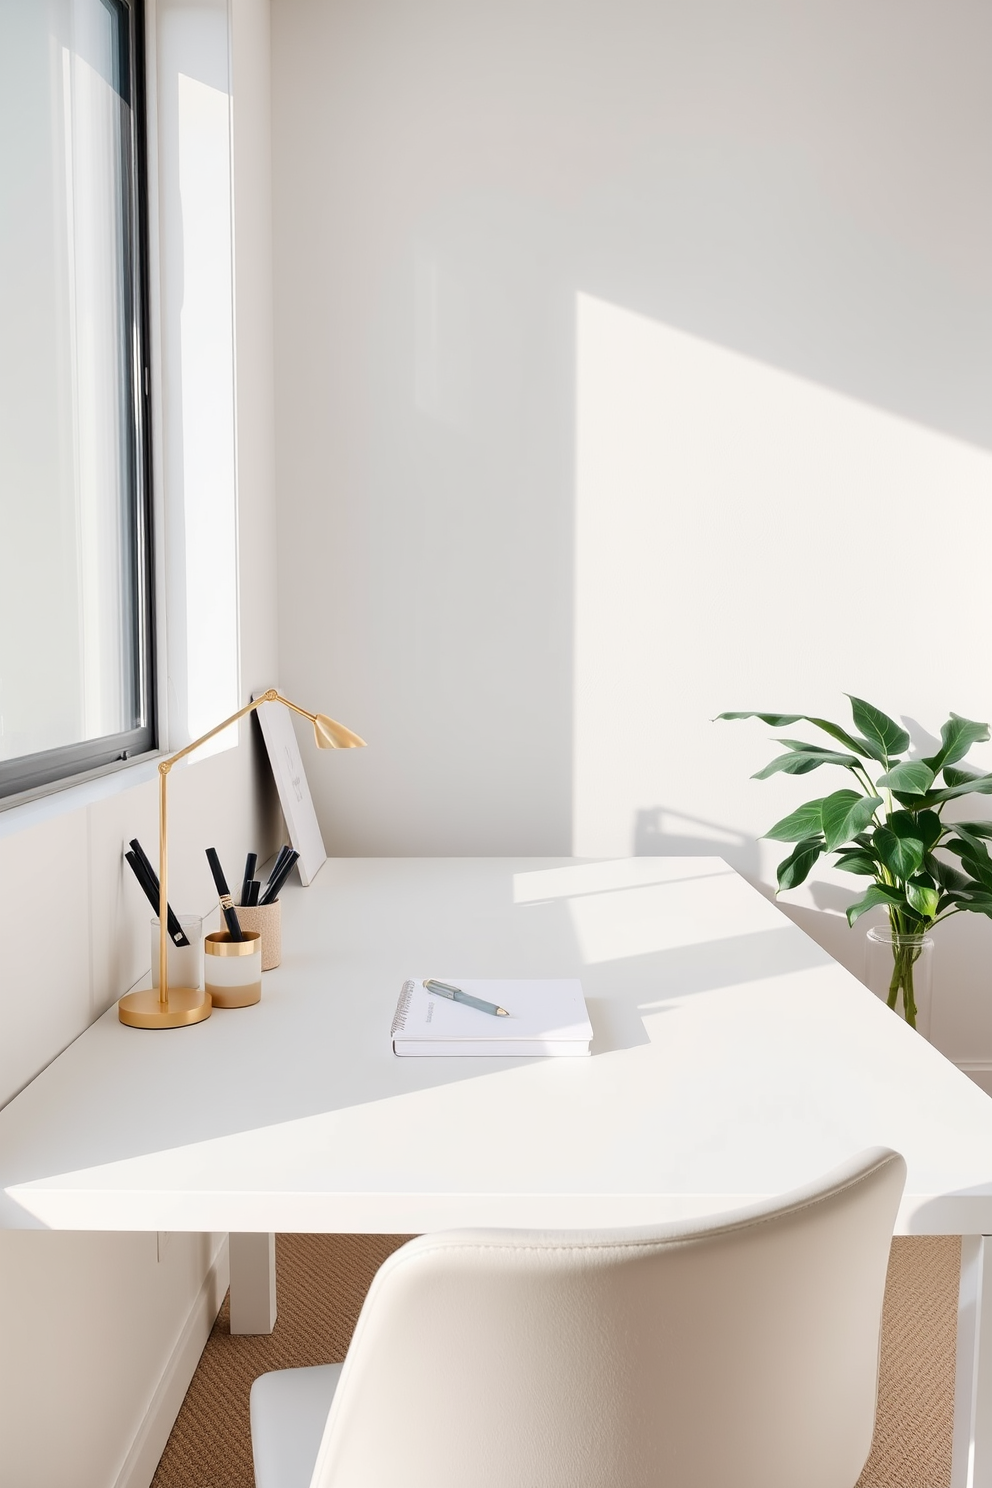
(59, 768)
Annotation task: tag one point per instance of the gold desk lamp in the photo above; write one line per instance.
(174, 1007)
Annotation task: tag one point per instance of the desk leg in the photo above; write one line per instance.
(971, 1465)
(253, 1283)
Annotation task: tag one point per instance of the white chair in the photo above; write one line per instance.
(736, 1351)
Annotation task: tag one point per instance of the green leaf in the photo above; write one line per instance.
(877, 894)
(801, 762)
(925, 826)
(980, 870)
(965, 849)
(879, 728)
(957, 736)
(954, 776)
(947, 877)
(849, 741)
(804, 822)
(912, 777)
(795, 868)
(804, 747)
(844, 814)
(980, 903)
(923, 898)
(973, 853)
(776, 720)
(861, 863)
(903, 856)
(782, 720)
(974, 828)
(982, 784)
(973, 840)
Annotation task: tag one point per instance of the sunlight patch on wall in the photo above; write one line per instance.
(747, 539)
(195, 190)
(207, 331)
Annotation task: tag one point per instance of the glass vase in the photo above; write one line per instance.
(900, 970)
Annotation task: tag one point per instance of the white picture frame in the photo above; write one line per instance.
(291, 782)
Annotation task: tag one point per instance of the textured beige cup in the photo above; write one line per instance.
(267, 920)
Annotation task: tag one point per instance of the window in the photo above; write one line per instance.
(76, 687)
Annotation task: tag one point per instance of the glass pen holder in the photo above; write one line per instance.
(267, 920)
(233, 968)
(184, 964)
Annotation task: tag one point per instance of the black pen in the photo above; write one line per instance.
(278, 878)
(276, 870)
(149, 883)
(226, 904)
(250, 862)
(148, 878)
(254, 890)
(147, 888)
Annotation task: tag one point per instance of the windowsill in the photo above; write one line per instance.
(49, 802)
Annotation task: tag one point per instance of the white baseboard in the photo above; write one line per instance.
(979, 1070)
(149, 1443)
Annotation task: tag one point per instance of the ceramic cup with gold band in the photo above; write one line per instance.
(232, 969)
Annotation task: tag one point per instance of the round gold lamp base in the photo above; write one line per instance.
(144, 1010)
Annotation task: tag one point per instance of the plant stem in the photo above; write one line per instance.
(863, 778)
(894, 984)
(910, 954)
(904, 956)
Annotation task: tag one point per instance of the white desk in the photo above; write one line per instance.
(732, 1059)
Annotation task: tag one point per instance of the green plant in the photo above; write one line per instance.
(893, 839)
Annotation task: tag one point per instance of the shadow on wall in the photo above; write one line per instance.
(661, 832)
(825, 922)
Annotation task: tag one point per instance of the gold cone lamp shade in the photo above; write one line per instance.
(176, 1007)
(331, 735)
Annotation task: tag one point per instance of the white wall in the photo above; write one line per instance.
(110, 1310)
(633, 363)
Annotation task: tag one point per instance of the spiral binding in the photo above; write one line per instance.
(402, 1008)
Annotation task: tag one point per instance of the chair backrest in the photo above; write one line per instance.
(739, 1351)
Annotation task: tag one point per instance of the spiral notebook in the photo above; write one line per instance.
(545, 1017)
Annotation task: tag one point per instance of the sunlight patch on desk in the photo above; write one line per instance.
(614, 873)
(660, 916)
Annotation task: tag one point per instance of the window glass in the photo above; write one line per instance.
(74, 600)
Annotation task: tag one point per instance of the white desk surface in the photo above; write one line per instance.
(732, 1058)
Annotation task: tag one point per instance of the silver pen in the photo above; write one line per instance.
(455, 994)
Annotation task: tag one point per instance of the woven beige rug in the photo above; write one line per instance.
(323, 1279)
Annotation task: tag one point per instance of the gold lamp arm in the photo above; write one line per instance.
(267, 697)
(329, 735)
